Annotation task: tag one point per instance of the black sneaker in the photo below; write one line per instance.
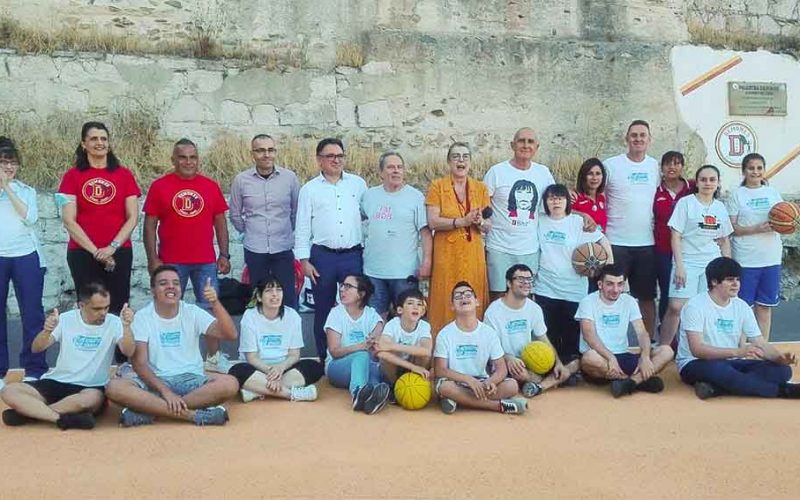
(573, 380)
(622, 387)
(653, 385)
(360, 397)
(377, 400)
(704, 390)
(789, 391)
(13, 418)
(83, 421)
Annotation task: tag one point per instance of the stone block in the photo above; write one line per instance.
(374, 114)
(377, 68)
(27, 68)
(188, 109)
(768, 26)
(232, 112)
(307, 114)
(345, 112)
(265, 115)
(204, 80)
(323, 87)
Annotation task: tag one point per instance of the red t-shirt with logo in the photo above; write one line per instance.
(596, 209)
(663, 205)
(100, 196)
(185, 209)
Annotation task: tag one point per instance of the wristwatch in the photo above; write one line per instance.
(114, 244)
(226, 255)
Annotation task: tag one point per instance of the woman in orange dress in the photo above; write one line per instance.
(454, 204)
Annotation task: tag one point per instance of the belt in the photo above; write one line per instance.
(356, 248)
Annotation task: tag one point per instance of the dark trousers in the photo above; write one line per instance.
(28, 280)
(562, 329)
(85, 269)
(663, 272)
(280, 265)
(333, 268)
(742, 377)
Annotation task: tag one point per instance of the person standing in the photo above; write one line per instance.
(328, 235)
(264, 209)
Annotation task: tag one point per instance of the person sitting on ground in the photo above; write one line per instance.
(518, 319)
(169, 381)
(604, 316)
(406, 343)
(463, 351)
(71, 394)
(270, 342)
(353, 329)
(710, 354)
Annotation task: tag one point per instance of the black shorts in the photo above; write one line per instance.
(639, 265)
(54, 391)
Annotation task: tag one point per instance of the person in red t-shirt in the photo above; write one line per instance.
(100, 208)
(673, 187)
(589, 198)
(187, 209)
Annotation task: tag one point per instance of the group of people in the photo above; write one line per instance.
(497, 243)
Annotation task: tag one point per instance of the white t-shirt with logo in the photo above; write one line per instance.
(351, 331)
(271, 339)
(85, 351)
(558, 239)
(720, 326)
(610, 320)
(173, 346)
(517, 204)
(516, 327)
(751, 207)
(468, 352)
(394, 330)
(630, 189)
(700, 226)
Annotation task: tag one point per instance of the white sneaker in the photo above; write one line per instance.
(30, 379)
(248, 396)
(219, 363)
(307, 393)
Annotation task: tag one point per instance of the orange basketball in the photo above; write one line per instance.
(784, 217)
(588, 258)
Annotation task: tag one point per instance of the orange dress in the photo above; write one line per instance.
(458, 254)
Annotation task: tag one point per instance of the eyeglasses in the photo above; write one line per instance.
(261, 151)
(10, 163)
(457, 157)
(348, 286)
(467, 294)
(332, 157)
(525, 280)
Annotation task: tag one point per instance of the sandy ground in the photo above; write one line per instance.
(574, 442)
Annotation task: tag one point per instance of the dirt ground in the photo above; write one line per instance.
(574, 442)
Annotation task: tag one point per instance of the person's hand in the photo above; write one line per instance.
(573, 196)
(51, 322)
(485, 226)
(310, 271)
(490, 388)
(152, 265)
(750, 351)
(223, 265)
(274, 385)
(422, 371)
(614, 370)
(477, 388)
(764, 227)
(273, 374)
(381, 344)
(105, 253)
(474, 216)
(786, 358)
(589, 225)
(646, 368)
(175, 404)
(680, 277)
(5, 180)
(516, 367)
(559, 372)
(209, 293)
(126, 315)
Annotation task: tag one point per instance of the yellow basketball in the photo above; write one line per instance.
(412, 391)
(539, 357)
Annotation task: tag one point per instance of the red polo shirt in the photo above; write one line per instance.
(596, 209)
(663, 205)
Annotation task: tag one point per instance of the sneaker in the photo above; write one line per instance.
(83, 421)
(392, 398)
(704, 390)
(573, 380)
(130, 418)
(448, 406)
(248, 396)
(30, 379)
(377, 400)
(622, 387)
(219, 363)
(213, 415)
(531, 389)
(304, 393)
(13, 418)
(653, 385)
(788, 390)
(125, 370)
(514, 406)
(360, 397)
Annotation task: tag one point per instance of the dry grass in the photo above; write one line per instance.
(701, 33)
(349, 54)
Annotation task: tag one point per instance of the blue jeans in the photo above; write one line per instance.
(387, 291)
(198, 273)
(742, 377)
(353, 371)
(280, 265)
(28, 280)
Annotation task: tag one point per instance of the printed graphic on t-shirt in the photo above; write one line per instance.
(761, 204)
(98, 191)
(170, 339)
(610, 320)
(556, 237)
(522, 202)
(270, 340)
(635, 178)
(466, 351)
(87, 342)
(725, 326)
(709, 222)
(188, 203)
(515, 326)
(383, 213)
(356, 337)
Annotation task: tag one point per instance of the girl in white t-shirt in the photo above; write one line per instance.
(755, 245)
(270, 341)
(700, 226)
(353, 331)
(558, 288)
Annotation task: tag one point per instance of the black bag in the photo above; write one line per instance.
(234, 295)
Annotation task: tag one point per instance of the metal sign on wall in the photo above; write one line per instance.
(756, 99)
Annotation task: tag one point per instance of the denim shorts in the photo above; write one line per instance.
(181, 384)
(497, 263)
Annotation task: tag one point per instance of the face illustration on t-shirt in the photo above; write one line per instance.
(188, 203)
(98, 191)
(522, 202)
(88, 343)
(170, 339)
(466, 351)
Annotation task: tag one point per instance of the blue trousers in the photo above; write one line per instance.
(664, 272)
(280, 265)
(353, 371)
(28, 280)
(741, 377)
(333, 267)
